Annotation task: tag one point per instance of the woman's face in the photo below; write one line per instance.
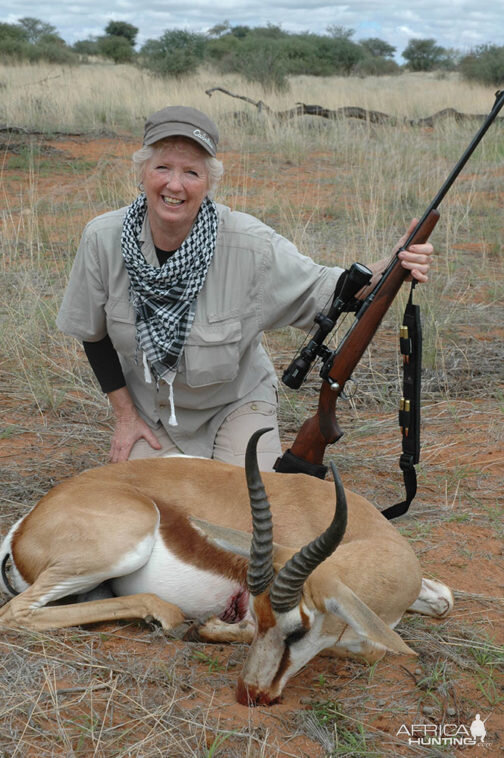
(175, 182)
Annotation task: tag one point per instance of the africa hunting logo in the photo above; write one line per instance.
(445, 734)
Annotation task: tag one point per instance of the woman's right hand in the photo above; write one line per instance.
(129, 427)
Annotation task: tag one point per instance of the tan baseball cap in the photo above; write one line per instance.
(182, 121)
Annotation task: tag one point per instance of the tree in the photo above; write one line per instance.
(240, 31)
(35, 29)
(340, 32)
(176, 53)
(219, 29)
(12, 32)
(122, 29)
(13, 41)
(423, 54)
(377, 48)
(34, 40)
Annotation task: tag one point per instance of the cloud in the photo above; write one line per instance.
(452, 23)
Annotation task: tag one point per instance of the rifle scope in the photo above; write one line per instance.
(350, 282)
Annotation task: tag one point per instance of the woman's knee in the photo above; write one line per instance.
(237, 428)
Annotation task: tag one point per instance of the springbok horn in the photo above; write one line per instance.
(260, 570)
(287, 588)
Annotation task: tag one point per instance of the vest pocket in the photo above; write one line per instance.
(212, 353)
(121, 326)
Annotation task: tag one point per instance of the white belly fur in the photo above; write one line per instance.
(195, 591)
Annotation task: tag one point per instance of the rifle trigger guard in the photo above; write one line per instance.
(344, 395)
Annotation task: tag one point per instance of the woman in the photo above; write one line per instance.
(170, 297)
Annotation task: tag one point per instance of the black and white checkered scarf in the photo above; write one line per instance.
(164, 297)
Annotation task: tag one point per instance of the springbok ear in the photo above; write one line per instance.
(232, 540)
(363, 620)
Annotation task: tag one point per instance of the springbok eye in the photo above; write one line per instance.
(295, 636)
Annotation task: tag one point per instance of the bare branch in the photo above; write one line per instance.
(374, 117)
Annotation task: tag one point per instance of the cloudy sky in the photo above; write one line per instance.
(457, 24)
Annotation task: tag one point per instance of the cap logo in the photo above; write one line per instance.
(204, 136)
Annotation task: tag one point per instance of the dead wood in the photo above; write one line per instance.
(373, 117)
(49, 133)
(13, 129)
(259, 104)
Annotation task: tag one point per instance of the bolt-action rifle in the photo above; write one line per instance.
(307, 452)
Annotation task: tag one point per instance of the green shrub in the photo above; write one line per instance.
(34, 40)
(86, 46)
(51, 48)
(259, 60)
(220, 50)
(372, 66)
(13, 42)
(117, 49)
(176, 53)
(485, 64)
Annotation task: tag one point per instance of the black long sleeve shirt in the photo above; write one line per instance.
(103, 357)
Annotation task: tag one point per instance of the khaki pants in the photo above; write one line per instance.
(232, 438)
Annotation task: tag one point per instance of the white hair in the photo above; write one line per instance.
(140, 158)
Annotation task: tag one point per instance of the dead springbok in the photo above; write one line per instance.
(143, 527)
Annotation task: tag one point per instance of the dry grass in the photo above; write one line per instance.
(342, 191)
(106, 96)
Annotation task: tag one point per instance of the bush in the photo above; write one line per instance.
(117, 49)
(371, 66)
(261, 60)
(268, 55)
(12, 50)
(87, 46)
(177, 53)
(337, 55)
(485, 65)
(34, 40)
(13, 42)
(221, 49)
(52, 51)
(12, 32)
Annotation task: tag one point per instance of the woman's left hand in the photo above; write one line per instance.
(416, 258)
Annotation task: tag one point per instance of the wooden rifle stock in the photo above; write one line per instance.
(322, 429)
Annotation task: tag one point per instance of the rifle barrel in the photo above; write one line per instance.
(499, 102)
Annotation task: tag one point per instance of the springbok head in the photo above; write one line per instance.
(298, 612)
(288, 632)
